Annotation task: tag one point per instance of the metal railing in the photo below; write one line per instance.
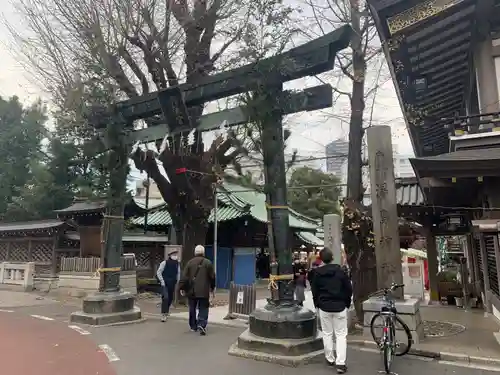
(242, 301)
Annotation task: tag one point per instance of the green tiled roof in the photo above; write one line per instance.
(162, 217)
(310, 238)
(234, 201)
(258, 210)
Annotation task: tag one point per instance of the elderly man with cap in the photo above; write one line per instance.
(168, 274)
(197, 283)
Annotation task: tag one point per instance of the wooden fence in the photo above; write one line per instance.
(77, 264)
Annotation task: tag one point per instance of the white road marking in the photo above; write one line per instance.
(41, 317)
(7, 311)
(112, 357)
(81, 331)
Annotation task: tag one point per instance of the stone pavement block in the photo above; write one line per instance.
(408, 306)
(408, 310)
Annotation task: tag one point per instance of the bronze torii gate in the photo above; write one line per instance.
(170, 105)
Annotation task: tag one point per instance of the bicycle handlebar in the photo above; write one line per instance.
(392, 288)
(396, 286)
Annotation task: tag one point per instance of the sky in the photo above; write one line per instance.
(310, 131)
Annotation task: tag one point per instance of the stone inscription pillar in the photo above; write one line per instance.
(333, 236)
(384, 207)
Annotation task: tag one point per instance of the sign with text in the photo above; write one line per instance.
(413, 278)
(239, 298)
(333, 236)
(384, 206)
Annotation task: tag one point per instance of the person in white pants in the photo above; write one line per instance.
(332, 293)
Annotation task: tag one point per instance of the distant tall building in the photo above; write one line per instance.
(336, 154)
(402, 166)
(336, 160)
(255, 166)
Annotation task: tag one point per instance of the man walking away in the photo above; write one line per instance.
(332, 292)
(168, 274)
(197, 283)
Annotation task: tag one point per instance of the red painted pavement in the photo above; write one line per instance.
(30, 346)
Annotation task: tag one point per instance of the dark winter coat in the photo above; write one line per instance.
(299, 274)
(170, 271)
(198, 278)
(331, 288)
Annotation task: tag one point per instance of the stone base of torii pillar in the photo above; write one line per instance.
(284, 334)
(107, 308)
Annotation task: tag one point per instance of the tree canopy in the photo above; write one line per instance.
(314, 193)
(43, 170)
(21, 133)
(140, 46)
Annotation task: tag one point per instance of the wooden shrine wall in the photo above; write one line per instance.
(148, 257)
(42, 251)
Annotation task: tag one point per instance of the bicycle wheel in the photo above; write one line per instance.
(387, 357)
(404, 346)
(374, 326)
(401, 347)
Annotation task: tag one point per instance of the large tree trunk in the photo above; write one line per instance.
(193, 231)
(359, 250)
(354, 181)
(364, 277)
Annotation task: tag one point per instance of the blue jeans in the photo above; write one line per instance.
(202, 305)
(168, 295)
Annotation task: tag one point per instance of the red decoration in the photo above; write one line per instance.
(180, 170)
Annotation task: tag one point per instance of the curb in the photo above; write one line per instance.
(439, 356)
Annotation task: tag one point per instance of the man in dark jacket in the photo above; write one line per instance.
(197, 283)
(332, 293)
(168, 274)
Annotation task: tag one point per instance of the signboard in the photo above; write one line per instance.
(333, 236)
(239, 298)
(413, 278)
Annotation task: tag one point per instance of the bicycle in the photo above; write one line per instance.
(388, 342)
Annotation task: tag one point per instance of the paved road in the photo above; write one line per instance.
(35, 345)
(156, 349)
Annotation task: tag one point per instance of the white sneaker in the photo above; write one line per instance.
(164, 318)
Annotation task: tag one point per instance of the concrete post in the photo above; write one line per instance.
(432, 261)
(384, 207)
(29, 275)
(333, 236)
(2, 272)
